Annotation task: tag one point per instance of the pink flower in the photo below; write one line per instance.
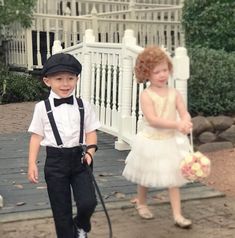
(195, 166)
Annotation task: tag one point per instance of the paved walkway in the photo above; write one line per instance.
(23, 200)
(26, 212)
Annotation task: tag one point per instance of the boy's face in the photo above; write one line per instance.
(62, 83)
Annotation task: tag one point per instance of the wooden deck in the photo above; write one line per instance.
(23, 200)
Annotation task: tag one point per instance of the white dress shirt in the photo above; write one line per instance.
(67, 119)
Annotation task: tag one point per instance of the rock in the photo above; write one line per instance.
(229, 134)
(20, 203)
(207, 137)
(221, 122)
(201, 124)
(233, 119)
(215, 146)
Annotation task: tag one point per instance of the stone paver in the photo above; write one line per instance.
(212, 218)
(24, 200)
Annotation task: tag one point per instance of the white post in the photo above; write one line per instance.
(94, 21)
(67, 28)
(29, 49)
(132, 8)
(181, 71)
(56, 48)
(52, 8)
(73, 8)
(125, 119)
(87, 66)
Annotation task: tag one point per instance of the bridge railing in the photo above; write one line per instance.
(83, 7)
(29, 48)
(108, 82)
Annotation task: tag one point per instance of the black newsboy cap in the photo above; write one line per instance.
(61, 62)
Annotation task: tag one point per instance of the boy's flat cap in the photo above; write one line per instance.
(61, 62)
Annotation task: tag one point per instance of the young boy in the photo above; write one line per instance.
(56, 124)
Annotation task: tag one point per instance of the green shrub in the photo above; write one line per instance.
(211, 87)
(209, 24)
(20, 88)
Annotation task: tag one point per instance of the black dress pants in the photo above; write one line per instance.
(63, 171)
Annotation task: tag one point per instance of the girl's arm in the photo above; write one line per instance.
(153, 119)
(34, 147)
(181, 108)
(91, 139)
(185, 118)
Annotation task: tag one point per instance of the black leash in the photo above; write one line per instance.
(89, 168)
(85, 147)
(101, 200)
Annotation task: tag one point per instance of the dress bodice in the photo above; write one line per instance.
(165, 107)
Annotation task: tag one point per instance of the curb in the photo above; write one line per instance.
(1, 201)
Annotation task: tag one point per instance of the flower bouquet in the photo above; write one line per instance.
(195, 166)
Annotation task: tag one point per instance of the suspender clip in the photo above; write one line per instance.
(84, 147)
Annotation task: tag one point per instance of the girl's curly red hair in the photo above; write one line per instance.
(147, 60)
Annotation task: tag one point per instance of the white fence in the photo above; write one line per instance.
(83, 7)
(29, 48)
(108, 82)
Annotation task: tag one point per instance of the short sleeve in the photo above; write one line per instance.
(37, 125)
(91, 121)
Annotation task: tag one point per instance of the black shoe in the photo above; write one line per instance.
(79, 232)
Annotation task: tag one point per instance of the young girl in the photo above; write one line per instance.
(161, 144)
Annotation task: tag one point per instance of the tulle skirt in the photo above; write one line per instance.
(156, 163)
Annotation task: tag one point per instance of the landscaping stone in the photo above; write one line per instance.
(214, 133)
(221, 122)
(201, 124)
(207, 137)
(228, 134)
(215, 146)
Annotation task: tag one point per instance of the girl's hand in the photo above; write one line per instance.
(185, 126)
(33, 173)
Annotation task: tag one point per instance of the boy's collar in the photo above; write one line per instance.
(54, 95)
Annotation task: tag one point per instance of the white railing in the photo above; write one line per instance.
(156, 13)
(29, 48)
(83, 7)
(108, 82)
(79, 7)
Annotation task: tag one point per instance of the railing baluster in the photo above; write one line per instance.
(98, 81)
(109, 90)
(103, 86)
(115, 90)
(93, 78)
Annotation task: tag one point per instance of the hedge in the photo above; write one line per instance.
(211, 87)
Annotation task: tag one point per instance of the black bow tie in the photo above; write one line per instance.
(68, 100)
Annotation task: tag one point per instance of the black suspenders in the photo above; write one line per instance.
(81, 110)
(60, 143)
(53, 124)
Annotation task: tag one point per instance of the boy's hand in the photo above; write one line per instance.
(88, 158)
(33, 173)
